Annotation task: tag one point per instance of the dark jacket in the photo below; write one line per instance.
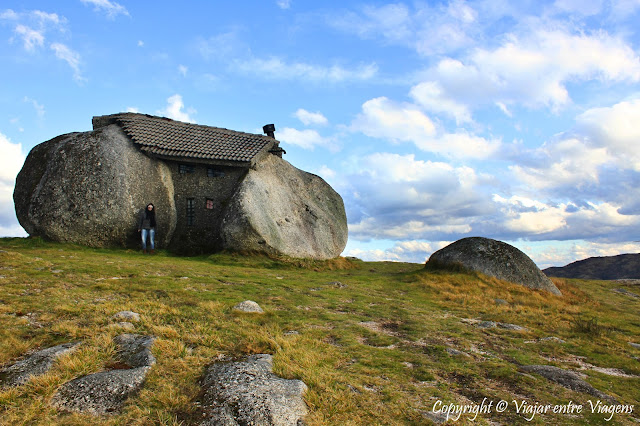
(146, 221)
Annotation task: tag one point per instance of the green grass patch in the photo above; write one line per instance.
(375, 342)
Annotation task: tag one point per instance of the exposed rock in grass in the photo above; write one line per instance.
(248, 306)
(635, 345)
(626, 292)
(552, 339)
(243, 393)
(566, 378)
(337, 284)
(500, 302)
(36, 364)
(456, 352)
(493, 258)
(127, 316)
(493, 324)
(135, 350)
(106, 392)
(513, 327)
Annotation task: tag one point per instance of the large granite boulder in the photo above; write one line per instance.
(283, 210)
(493, 258)
(88, 188)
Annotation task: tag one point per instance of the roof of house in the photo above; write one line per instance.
(184, 141)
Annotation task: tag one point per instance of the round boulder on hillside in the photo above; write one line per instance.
(493, 258)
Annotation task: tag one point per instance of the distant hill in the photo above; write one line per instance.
(600, 268)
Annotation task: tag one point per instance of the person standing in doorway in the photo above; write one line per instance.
(147, 227)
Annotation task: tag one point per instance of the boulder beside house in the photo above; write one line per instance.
(213, 189)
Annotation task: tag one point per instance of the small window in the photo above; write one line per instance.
(186, 168)
(213, 172)
(191, 212)
(209, 204)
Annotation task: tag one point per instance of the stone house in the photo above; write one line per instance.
(207, 164)
(213, 188)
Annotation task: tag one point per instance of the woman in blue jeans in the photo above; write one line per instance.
(147, 227)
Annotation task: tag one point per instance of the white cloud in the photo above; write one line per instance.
(11, 162)
(30, 37)
(276, 68)
(603, 139)
(427, 29)
(133, 109)
(112, 9)
(71, 57)
(284, 4)
(580, 7)
(174, 110)
(383, 118)
(308, 118)
(403, 122)
(183, 70)
(431, 96)
(9, 15)
(140, 43)
(305, 139)
(397, 196)
(40, 111)
(405, 251)
(531, 69)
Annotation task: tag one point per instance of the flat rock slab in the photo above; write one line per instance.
(100, 393)
(248, 393)
(36, 364)
(106, 392)
(566, 378)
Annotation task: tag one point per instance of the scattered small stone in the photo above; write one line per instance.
(249, 393)
(291, 333)
(568, 379)
(315, 289)
(635, 345)
(127, 315)
(552, 339)
(486, 324)
(456, 352)
(501, 302)
(36, 364)
(338, 284)
(57, 271)
(248, 306)
(408, 364)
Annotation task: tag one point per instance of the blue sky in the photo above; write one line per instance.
(434, 120)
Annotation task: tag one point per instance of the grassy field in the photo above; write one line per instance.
(375, 342)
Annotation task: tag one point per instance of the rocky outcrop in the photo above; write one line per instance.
(106, 392)
(88, 188)
(283, 210)
(36, 364)
(248, 393)
(493, 258)
(567, 379)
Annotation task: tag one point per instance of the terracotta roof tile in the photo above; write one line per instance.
(162, 136)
